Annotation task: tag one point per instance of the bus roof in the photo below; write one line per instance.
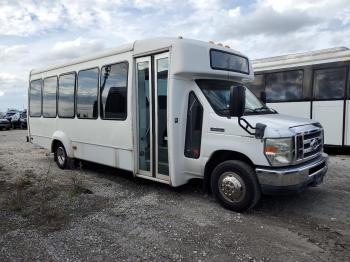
(329, 55)
(138, 48)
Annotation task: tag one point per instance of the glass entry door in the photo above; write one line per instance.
(152, 110)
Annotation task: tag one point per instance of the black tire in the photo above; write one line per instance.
(242, 175)
(60, 156)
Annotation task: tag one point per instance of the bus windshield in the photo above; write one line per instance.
(218, 94)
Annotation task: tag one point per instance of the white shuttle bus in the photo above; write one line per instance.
(171, 110)
(313, 85)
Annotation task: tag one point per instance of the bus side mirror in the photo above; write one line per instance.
(263, 97)
(237, 101)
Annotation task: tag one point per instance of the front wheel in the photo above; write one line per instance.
(235, 185)
(60, 156)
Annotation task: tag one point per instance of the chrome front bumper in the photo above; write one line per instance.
(293, 178)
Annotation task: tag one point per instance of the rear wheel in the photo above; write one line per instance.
(235, 185)
(60, 156)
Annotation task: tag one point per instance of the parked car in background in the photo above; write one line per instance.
(23, 120)
(15, 120)
(4, 124)
(10, 113)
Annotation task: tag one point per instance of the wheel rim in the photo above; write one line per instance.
(232, 187)
(61, 156)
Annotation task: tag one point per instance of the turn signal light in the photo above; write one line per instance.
(271, 149)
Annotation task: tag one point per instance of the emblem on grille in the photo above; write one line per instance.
(314, 144)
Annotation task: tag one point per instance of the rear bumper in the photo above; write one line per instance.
(292, 179)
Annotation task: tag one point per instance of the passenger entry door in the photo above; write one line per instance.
(152, 109)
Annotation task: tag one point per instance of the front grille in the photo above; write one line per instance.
(309, 144)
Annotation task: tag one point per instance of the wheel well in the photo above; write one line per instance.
(55, 142)
(219, 157)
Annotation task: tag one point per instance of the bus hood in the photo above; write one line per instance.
(278, 125)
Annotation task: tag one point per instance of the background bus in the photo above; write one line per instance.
(312, 85)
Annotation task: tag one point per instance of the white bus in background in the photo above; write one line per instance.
(314, 85)
(171, 110)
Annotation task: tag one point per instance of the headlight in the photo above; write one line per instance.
(279, 151)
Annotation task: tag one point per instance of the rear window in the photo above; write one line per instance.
(222, 60)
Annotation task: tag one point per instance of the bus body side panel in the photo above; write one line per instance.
(41, 131)
(298, 109)
(182, 168)
(330, 115)
(107, 142)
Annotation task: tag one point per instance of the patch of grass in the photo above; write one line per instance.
(77, 187)
(18, 199)
(46, 205)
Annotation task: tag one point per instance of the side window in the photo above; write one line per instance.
(258, 85)
(113, 91)
(66, 89)
(35, 98)
(329, 83)
(193, 127)
(284, 86)
(49, 97)
(87, 93)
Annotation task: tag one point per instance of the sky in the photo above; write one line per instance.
(37, 33)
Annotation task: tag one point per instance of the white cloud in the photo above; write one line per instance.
(9, 53)
(37, 33)
(75, 48)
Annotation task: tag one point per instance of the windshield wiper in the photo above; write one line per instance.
(261, 109)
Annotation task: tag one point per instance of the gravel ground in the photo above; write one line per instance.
(97, 213)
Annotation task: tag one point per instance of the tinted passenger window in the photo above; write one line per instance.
(258, 85)
(284, 86)
(329, 83)
(113, 91)
(66, 95)
(87, 93)
(49, 97)
(35, 98)
(193, 127)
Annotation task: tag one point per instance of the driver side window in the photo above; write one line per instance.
(193, 127)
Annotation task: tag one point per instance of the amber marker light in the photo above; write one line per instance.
(271, 150)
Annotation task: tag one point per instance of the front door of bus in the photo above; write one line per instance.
(152, 92)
